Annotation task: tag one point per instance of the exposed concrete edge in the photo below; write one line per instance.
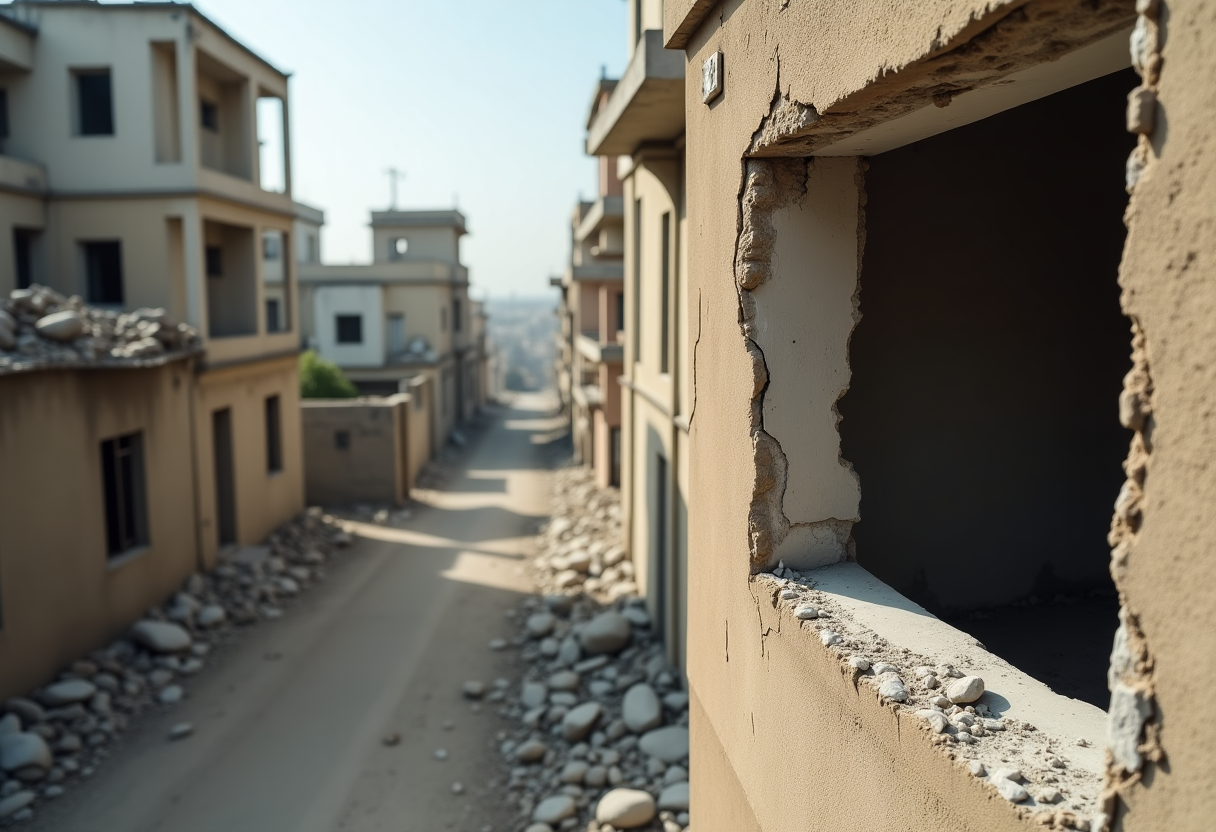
(875, 622)
(1009, 38)
(682, 19)
(100, 364)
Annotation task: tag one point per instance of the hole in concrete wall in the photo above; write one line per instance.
(986, 370)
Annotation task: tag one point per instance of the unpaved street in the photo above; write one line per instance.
(289, 722)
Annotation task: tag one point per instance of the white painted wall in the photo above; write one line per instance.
(331, 301)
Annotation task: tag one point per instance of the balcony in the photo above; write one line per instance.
(597, 352)
(647, 104)
(605, 211)
(20, 175)
(597, 271)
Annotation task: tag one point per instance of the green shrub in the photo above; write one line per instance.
(321, 379)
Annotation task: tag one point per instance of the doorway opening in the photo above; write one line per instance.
(986, 370)
(225, 477)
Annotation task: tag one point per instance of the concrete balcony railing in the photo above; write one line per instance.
(20, 175)
(607, 210)
(598, 352)
(647, 104)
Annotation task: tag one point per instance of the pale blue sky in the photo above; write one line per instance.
(482, 99)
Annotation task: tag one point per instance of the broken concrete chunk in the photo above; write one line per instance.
(1010, 790)
(935, 718)
(625, 808)
(859, 663)
(966, 689)
(160, 636)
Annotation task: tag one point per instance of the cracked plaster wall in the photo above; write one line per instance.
(748, 743)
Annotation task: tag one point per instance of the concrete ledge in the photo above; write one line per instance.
(647, 104)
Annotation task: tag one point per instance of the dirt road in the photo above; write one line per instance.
(289, 722)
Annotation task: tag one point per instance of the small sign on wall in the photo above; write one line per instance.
(711, 77)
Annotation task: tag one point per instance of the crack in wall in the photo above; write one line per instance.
(1133, 737)
(695, 345)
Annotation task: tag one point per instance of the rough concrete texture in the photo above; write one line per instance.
(1161, 771)
(754, 761)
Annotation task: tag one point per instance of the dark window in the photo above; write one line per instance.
(95, 102)
(270, 247)
(272, 315)
(665, 300)
(274, 437)
(103, 272)
(614, 475)
(214, 255)
(122, 465)
(350, 329)
(456, 315)
(342, 440)
(637, 280)
(620, 312)
(3, 113)
(443, 319)
(209, 114)
(23, 254)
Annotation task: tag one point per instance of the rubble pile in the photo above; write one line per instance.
(601, 723)
(61, 732)
(39, 327)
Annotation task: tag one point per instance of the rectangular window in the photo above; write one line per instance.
(614, 473)
(103, 272)
(23, 256)
(274, 436)
(122, 466)
(3, 113)
(270, 247)
(620, 312)
(396, 333)
(349, 329)
(94, 103)
(443, 319)
(665, 300)
(456, 315)
(209, 115)
(214, 256)
(342, 440)
(637, 280)
(273, 315)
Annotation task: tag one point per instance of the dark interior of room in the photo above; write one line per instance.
(986, 371)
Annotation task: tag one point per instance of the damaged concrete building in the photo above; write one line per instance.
(949, 295)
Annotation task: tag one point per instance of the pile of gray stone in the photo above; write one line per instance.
(61, 733)
(40, 327)
(600, 736)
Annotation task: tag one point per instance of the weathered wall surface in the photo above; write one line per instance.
(1162, 774)
(60, 596)
(371, 468)
(781, 733)
(264, 499)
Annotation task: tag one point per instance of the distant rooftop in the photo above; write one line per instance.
(429, 218)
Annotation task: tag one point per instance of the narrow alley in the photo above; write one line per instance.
(332, 717)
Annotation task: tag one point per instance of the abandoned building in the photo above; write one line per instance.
(949, 298)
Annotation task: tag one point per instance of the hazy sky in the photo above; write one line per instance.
(481, 101)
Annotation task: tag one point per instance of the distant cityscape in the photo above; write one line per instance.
(524, 329)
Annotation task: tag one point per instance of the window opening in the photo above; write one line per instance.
(397, 247)
(274, 321)
(637, 280)
(103, 272)
(270, 247)
(122, 465)
(396, 333)
(224, 463)
(272, 155)
(980, 415)
(94, 103)
(209, 115)
(342, 440)
(456, 318)
(4, 133)
(23, 256)
(349, 329)
(620, 312)
(215, 261)
(274, 435)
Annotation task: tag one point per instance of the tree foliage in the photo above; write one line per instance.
(321, 379)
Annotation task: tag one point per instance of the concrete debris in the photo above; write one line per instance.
(40, 327)
(600, 736)
(59, 735)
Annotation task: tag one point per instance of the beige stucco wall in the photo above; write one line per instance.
(264, 499)
(59, 595)
(780, 739)
(373, 467)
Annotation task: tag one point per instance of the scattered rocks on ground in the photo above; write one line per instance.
(59, 734)
(625, 808)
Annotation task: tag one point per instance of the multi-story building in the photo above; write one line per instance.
(636, 128)
(592, 319)
(950, 299)
(406, 313)
(145, 164)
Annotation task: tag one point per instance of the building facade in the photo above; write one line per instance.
(591, 321)
(636, 128)
(948, 304)
(406, 313)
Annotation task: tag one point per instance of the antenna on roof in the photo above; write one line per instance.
(394, 176)
(603, 72)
